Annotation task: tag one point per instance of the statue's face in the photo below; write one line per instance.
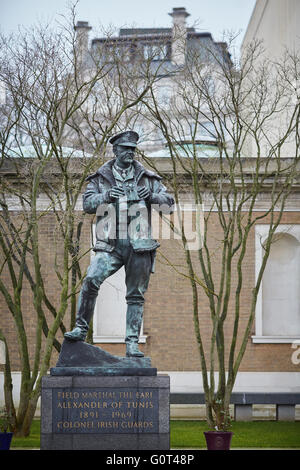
(124, 155)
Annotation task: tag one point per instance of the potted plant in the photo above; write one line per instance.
(5, 436)
(219, 438)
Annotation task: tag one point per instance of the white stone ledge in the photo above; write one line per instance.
(252, 382)
(115, 339)
(275, 339)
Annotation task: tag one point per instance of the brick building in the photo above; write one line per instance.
(270, 363)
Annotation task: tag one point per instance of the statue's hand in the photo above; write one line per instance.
(115, 192)
(112, 194)
(144, 193)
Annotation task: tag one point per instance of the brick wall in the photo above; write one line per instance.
(168, 320)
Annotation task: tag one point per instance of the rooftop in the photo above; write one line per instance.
(131, 42)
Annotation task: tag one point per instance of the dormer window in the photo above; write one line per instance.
(155, 51)
(121, 52)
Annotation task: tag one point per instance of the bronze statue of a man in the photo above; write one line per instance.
(121, 193)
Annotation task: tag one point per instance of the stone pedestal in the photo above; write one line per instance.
(110, 406)
(243, 412)
(105, 413)
(285, 412)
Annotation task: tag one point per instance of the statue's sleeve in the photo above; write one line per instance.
(93, 196)
(160, 195)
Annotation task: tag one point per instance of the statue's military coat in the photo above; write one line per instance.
(96, 200)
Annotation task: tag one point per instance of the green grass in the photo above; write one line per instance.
(189, 434)
(30, 442)
(265, 434)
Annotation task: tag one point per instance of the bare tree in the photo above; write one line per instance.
(55, 122)
(216, 110)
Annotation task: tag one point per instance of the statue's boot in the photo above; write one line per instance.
(86, 305)
(134, 318)
(77, 334)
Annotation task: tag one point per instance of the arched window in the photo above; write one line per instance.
(278, 305)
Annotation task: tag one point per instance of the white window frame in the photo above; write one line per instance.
(261, 233)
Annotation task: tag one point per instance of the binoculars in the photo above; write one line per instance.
(131, 191)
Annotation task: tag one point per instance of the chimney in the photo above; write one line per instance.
(179, 34)
(82, 29)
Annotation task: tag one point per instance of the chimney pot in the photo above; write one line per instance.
(179, 11)
(82, 25)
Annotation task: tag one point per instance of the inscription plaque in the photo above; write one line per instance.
(105, 410)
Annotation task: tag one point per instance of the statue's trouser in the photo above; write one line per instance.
(104, 264)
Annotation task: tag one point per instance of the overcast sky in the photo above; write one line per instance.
(214, 16)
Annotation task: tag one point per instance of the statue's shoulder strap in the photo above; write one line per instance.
(93, 176)
(142, 171)
(90, 177)
(103, 172)
(151, 174)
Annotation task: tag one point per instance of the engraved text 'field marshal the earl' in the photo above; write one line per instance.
(121, 193)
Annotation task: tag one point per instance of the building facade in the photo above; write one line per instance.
(271, 361)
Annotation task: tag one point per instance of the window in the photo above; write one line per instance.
(110, 310)
(109, 321)
(155, 51)
(2, 93)
(118, 52)
(278, 303)
(164, 92)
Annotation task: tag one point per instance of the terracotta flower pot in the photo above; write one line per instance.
(218, 440)
(5, 440)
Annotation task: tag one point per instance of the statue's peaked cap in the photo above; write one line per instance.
(127, 138)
